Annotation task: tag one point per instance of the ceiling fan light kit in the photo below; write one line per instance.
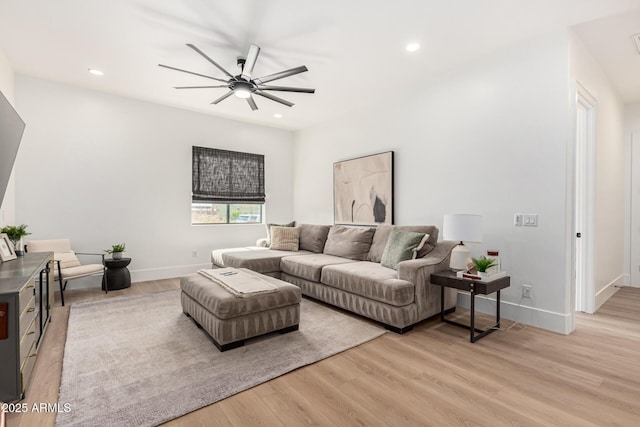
(244, 85)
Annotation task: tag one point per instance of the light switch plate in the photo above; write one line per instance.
(530, 220)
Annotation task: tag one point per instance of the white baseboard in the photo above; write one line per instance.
(138, 276)
(607, 292)
(165, 272)
(545, 319)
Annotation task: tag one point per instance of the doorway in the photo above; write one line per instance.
(583, 208)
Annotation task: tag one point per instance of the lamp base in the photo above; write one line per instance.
(460, 257)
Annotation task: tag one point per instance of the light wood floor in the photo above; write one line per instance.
(431, 376)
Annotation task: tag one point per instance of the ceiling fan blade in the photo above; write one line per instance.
(204, 55)
(286, 89)
(274, 98)
(191, 72)
(281, 74)
(252, 103)
(250, 62)
(223, 97)
(200, 87)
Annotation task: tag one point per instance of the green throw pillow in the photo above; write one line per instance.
(290, 224)
(400, 247)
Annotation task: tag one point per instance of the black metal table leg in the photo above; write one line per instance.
(442, 303)
(472, 326)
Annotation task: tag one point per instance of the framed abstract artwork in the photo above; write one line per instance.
(363, 190)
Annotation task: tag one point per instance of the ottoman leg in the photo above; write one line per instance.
(289, 329)
(228, 346)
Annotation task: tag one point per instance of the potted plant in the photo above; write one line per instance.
(116, 251)
(15, 234)
(482, 264)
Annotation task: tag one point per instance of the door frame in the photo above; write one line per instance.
(583, 203)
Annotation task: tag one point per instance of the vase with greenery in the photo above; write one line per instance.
(116, 250)
(482, 264)
(15, 233)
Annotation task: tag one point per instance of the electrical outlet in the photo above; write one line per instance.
(526, 291)
(194, 253)
(517, 220)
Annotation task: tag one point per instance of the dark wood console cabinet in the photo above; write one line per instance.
(26, 298)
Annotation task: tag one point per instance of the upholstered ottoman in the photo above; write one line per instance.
(230, 319)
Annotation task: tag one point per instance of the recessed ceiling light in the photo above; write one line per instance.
(96, 72)
(277, 115)
(412, 47)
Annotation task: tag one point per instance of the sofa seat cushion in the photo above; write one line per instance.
(216, 254)
(267, 261)
(224, 305)
(370, 280)
(79, 271)
(309, 266)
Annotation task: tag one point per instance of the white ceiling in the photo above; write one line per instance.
(610, 42)
(354, 49)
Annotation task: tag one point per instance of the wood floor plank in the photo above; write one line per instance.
(519, 375)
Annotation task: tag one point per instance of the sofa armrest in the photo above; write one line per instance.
(261, 243)
(418, 271)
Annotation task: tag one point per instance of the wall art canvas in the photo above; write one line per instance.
(363, 190)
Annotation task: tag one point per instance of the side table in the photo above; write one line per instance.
(449, 279)
(117, 274)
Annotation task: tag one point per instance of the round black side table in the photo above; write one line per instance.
(117, 274)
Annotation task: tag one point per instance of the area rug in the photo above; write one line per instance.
(140, 361)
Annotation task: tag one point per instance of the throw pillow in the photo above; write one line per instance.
(67, 259)
(290, 224)
(349, 242)
(285, 238)
(402, 245)
(313, 237)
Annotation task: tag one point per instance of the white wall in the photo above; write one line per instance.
(610, 166)
(632, 243)
(102, 169)
(7, 84)
(490, 138)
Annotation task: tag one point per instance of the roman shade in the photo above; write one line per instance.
(223, 176)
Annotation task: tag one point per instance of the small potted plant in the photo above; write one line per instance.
(15, 234)
(482, 264)
(116, 251)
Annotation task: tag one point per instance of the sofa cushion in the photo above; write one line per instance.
(67, 259)
(370, 280)
(285, 238)
(269, 225)
(381, 237)
(267, 261)
(313, 237)
(349, 242)
(309, 267)
(401, 246)
(216, 254)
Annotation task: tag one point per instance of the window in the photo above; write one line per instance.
(227, 187)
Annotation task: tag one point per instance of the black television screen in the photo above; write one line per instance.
(11, 129)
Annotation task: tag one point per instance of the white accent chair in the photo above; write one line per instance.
(68, 266)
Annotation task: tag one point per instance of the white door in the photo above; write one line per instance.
(635, 209)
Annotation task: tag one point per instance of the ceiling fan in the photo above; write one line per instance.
(244, 85)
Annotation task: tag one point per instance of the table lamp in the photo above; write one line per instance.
(461, 228)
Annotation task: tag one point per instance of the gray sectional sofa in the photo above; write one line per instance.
(342, 266)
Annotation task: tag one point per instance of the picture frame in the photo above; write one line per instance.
(363, 190)
(7, 252)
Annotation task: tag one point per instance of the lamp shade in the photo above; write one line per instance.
(462, 227)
